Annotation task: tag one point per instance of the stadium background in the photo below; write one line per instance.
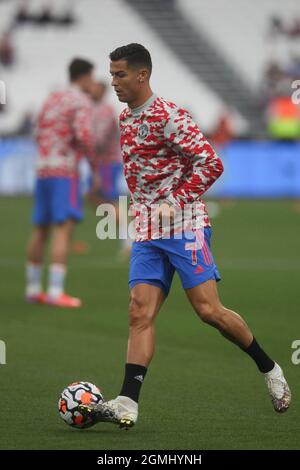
(232, 65)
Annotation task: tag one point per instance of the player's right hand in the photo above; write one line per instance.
(165, 213)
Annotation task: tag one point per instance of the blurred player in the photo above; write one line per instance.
(168, 162)
(108, 152)
(64, 134)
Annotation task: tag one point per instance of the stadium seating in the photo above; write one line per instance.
(42, 55)
(225, 23)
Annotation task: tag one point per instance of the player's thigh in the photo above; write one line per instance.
(41, 232)
(150, 265)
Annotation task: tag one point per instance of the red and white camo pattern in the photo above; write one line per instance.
(64, 133)
(166, 157)
(106, 130)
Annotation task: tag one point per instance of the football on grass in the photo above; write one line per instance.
(76, 394)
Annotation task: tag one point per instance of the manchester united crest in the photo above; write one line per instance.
(143, 131)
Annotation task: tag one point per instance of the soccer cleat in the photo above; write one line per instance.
(64, 300)
(122, 411)
(36, 298)
(279, 390)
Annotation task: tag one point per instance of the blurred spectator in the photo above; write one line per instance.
(294, 29)
(7, 54)
(66, 19)
(273, 76)
(26, 125)
(22, 14)
(283, 118)
(45, 17)
(223, 132)
(277, 80)
(276, 26)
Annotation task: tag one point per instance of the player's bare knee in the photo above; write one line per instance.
(140, 319)
(44, 235)
(140, 315)
(41, 233)
(210, 313)
(205, 311)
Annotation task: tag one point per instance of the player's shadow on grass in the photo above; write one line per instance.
(110, 430)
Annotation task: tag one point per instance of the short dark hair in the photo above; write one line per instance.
(134, 54)
(79, 67)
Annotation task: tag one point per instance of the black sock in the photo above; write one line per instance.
(133, 380)
(263, 361)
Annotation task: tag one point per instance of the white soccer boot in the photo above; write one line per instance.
(279, 390)
(122, 411)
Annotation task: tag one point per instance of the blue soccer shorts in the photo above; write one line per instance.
(57, 200)
(155, 261)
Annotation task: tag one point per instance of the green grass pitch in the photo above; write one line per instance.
(201, 392)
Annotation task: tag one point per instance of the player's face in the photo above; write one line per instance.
(126, 80)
